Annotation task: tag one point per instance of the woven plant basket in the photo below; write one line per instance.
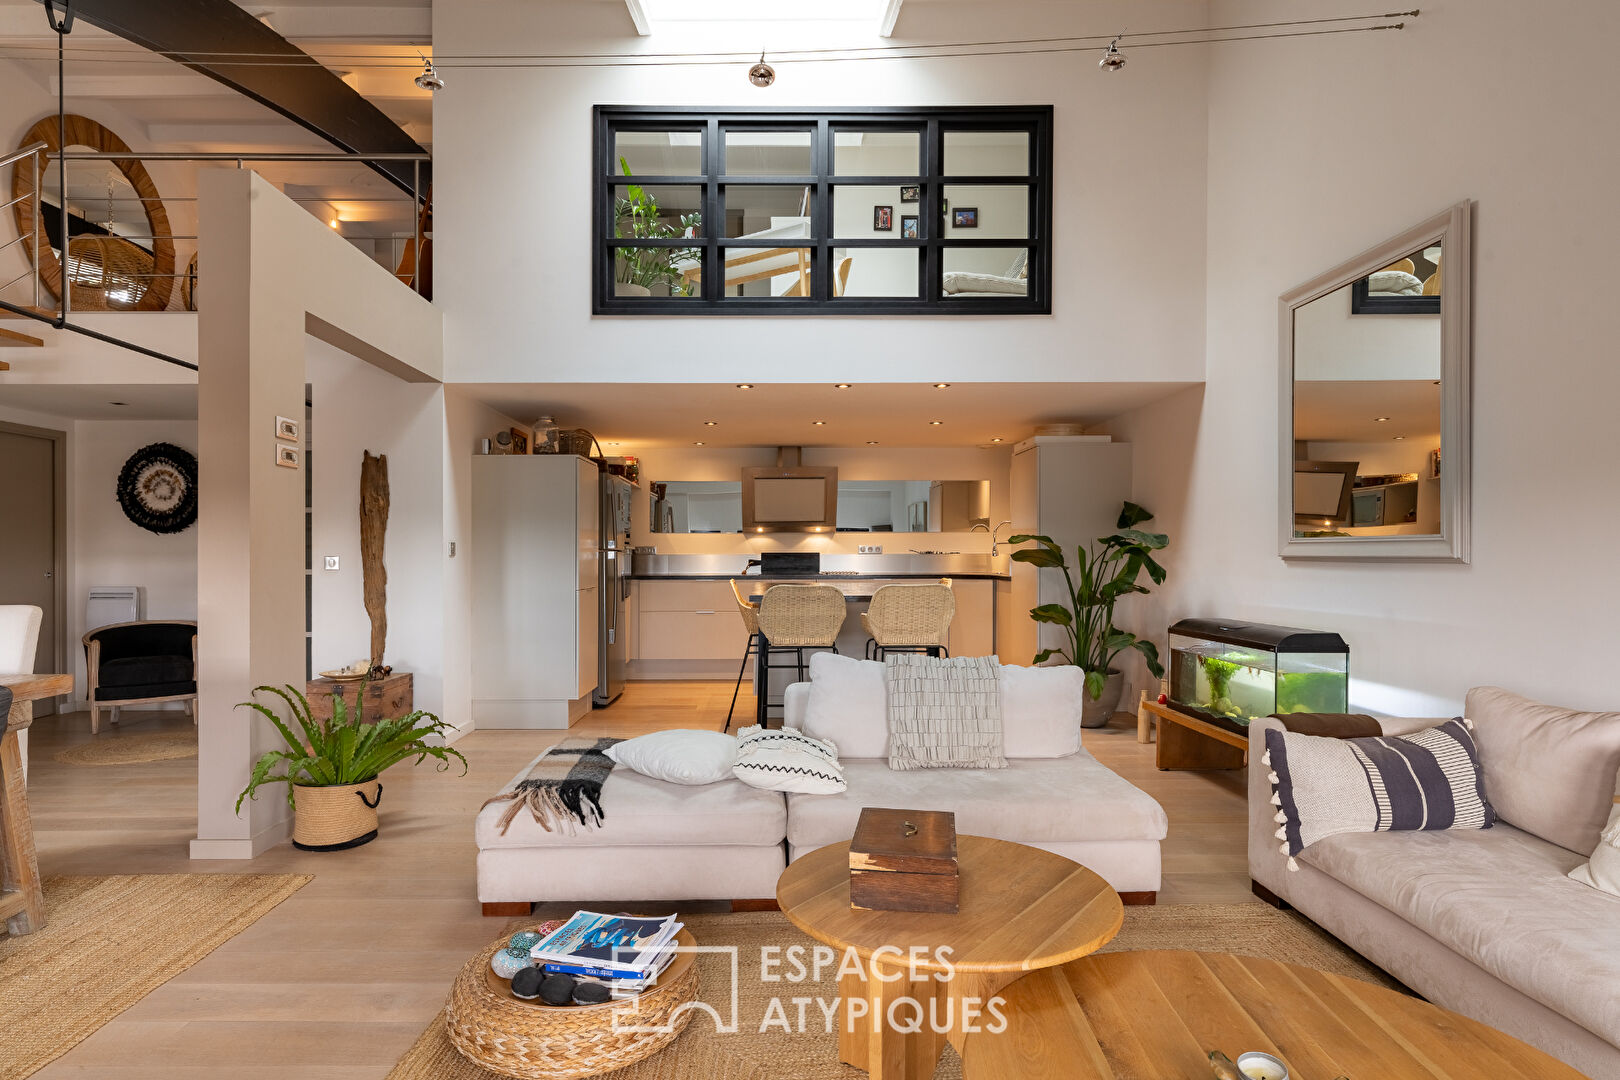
(541, 1042)
(337, 817)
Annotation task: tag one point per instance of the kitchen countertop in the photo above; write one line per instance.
(913, 565)
(819, 579)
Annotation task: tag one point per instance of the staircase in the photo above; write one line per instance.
(16, 339)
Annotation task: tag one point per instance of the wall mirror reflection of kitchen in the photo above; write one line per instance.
(1376, 371)
(715, 506)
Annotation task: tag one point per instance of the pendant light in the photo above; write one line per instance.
(1113, 59)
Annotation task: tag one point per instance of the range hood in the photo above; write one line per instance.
(789, 497)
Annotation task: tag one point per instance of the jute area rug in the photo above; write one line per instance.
(110, 941)
(131, 749)
(701, 1054)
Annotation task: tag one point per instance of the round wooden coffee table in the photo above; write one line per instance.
(1021, 909)
(534, 1041)
(1159, 1014)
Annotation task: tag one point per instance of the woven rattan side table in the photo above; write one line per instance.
(533, 1041)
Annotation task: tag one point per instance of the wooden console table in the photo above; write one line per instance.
(22, 902)
(1186, 742)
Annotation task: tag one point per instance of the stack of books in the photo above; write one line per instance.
(624, 951)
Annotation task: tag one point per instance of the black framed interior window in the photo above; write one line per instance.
(882, 211)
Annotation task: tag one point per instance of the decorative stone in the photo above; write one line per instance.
(526, 983)
(508, 962)
(525, 940)
(591, 993)
(557, 990)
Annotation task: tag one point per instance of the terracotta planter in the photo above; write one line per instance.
(1095, 713)
(337, 817)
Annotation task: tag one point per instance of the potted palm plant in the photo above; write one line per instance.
(332, 772)
(1107, 569)
(639, 271)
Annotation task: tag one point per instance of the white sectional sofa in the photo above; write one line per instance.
(664, 841)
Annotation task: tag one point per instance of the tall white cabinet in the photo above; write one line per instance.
(1070, 488)
(536, 541)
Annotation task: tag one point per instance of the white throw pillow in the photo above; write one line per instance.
(847, 705)
(680, 756)
(1040, 710)
(786, 759)
(1603, 872)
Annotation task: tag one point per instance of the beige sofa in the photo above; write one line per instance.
(1484, 922)
(663, 841)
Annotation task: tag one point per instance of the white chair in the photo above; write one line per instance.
(19, 639)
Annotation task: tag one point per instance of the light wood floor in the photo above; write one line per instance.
(340, 980)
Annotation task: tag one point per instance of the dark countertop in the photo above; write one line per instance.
(816, 578)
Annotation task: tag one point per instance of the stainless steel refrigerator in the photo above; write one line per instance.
(613, 588)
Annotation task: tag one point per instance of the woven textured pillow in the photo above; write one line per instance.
(1427, 780)
(786, 759)
(944, 713)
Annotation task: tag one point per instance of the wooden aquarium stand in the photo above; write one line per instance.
(1186, 742)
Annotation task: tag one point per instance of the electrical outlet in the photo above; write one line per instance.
(452, 549)
(331, 562)
(871, 549)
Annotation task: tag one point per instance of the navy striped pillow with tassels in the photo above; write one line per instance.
(1426, 780)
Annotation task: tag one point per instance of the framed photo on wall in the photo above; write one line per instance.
(883, 218)
(966, 217)
(911, 193)
(908, 227)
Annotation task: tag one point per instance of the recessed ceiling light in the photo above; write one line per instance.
(1399, 438)
(1380, 419)
(745, 386)
(697, 444)
(942, 386)
(123, 403)
(871, 442)
(841, 386)
(819, 423)
(710, 423)
(936, 423)
(996, 439)
(613, 444)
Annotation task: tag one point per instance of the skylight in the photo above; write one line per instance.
(868, 12)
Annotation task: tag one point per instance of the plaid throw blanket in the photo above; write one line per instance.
(563, 787)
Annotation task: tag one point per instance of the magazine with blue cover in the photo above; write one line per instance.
(614, 942)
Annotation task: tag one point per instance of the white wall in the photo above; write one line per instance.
(1303, 174)
(1330, 343)
(513, 145)
(105, 547)
(359, 408)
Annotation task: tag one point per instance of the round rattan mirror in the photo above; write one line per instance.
(109, 272)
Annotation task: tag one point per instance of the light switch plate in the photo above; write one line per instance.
(331, 562)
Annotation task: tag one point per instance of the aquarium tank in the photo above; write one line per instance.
(1232, 673)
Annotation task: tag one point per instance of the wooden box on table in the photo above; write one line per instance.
(386, 698)
(904, 860)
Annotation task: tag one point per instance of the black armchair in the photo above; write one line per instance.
(137, 663)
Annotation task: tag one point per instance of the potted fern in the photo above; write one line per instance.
(332, 772)
(1108, 569)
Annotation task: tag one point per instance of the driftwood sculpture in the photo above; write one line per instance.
(373, 527)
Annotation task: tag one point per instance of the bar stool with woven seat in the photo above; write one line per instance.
(909, 618)
(750, 618)
(795, 617)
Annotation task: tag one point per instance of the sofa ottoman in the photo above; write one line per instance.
(657, 841)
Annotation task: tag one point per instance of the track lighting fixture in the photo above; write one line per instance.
(1113, 59)
(762, 74)
(429, 80)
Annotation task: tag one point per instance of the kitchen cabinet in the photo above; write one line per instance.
(973, 627)
(534, 589)
(687, 629)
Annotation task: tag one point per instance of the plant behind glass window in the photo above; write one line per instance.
(637, 216)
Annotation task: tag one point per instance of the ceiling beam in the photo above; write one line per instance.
(638, 16)
(891, 15)
(196, 32)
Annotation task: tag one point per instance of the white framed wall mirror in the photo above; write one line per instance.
(1374, 424)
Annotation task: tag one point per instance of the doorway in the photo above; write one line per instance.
(33, 553)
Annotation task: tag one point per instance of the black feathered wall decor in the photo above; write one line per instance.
(157, 488)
